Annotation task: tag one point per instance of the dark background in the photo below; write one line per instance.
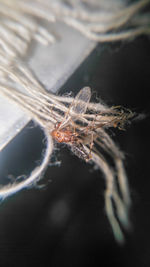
(61, 221)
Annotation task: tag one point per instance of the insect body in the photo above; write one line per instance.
(72, 139)
(64, 133)
(81, 132)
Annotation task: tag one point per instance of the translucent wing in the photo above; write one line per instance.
(80, 103)
(78, 106)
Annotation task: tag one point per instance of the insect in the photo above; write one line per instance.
(88, 140)
(64, 133)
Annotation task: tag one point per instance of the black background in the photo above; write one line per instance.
(63, 223)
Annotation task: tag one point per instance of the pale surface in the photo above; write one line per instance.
(52, 65)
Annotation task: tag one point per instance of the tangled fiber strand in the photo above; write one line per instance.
(17, 30)
(35, 174)
(103, 21)
(47, 110)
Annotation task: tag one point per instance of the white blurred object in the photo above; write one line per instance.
(52, 65)
(23, 23)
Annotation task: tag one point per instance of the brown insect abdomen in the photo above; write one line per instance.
(63, 136)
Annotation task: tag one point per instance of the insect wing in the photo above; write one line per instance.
(79, 151)
(81, 101)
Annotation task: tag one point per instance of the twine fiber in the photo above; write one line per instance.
(103, 21)
(47, 109)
